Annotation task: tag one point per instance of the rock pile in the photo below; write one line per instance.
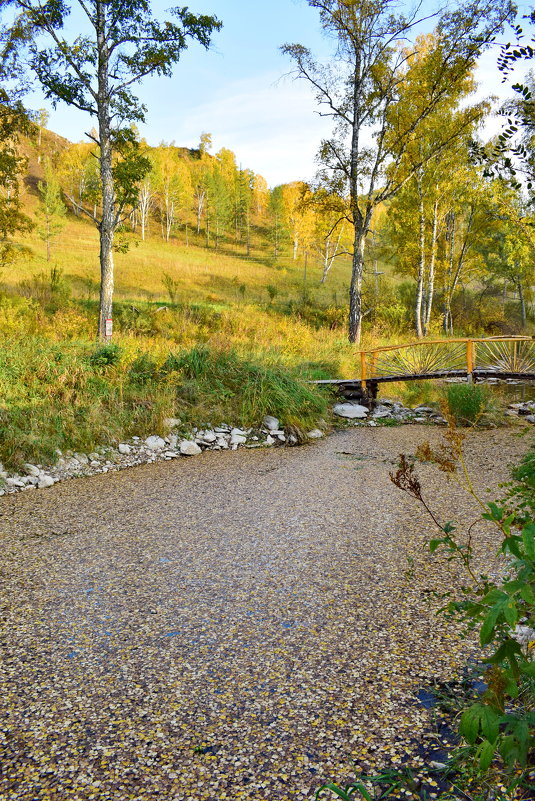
(386, 410)
(525, 409)
(144, 451)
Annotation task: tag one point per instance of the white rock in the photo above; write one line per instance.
(31, 469)
(269, 422)
(350, 410)
(14, 481)
(237, 439)
(155, 443)
(45, 481)
(172, 422)
(172, 439)
(372, 423)
(530, 418)
(209, 437)
(381, 411)
(238, 432)
(170, 454)
(124, 448)
(315, 434)
(189, 448)
(270, 440)
(524, 635)
(82, 458)
(281, 436)
(222, 443)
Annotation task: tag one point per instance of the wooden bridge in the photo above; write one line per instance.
(473, 359)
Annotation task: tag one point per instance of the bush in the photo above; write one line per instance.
(142, 370)
(105, 355)
(499, 728)
(467, 403)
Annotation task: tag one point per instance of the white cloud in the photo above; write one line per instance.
(271, 125)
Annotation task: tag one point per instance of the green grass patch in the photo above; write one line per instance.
(75, 396)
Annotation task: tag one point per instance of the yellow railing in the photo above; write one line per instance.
(457, 355)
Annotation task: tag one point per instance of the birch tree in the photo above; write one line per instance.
(14, 121)
(361, 89)
(95, 72)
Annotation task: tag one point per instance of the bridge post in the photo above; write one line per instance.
(470, 359)
(363, 369)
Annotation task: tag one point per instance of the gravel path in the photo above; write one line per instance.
(237, 626)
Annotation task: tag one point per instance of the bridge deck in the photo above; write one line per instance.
(477, 375)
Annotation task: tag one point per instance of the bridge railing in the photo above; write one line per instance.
(469, 357)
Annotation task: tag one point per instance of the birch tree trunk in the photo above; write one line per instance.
(431, 278)
(522, 300)
(108, 222)
(421, 263)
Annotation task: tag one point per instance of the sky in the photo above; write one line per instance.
(241, 90)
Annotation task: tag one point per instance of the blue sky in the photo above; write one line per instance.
(237, 91)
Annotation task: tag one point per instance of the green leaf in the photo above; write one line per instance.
(509, 750)
(434, 544)
(469, 724)
(510, 612)
(511, 688)
(528, 538)
(527, 594)
(489, 722)
(486, 632)
(346, 794)
(485, 755)
(512, 544)
(495, 512)
(528, 668)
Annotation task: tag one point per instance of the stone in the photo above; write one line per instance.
(45, 481)
(270, 423)
(209, 437)
(189, 448)
(82, 458)
(31, 469)
(281, 436)
(172, 439)
(315, 434)
(372, 423)
(381, 411)
(424, 410)
(222, 443)
(170, 454)
(14, 481)
(238, 432)
(172, 422)
(351, 411)
(237, 439)
(270, 440)
(155, 443)
(124, 448)
(530, 418)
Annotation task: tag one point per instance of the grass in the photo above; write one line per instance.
(59, 395)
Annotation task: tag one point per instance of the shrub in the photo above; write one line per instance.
(142, 370)
(467, 403)
(105, 356)
(499, 728)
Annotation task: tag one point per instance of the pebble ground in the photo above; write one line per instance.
(236, 626)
